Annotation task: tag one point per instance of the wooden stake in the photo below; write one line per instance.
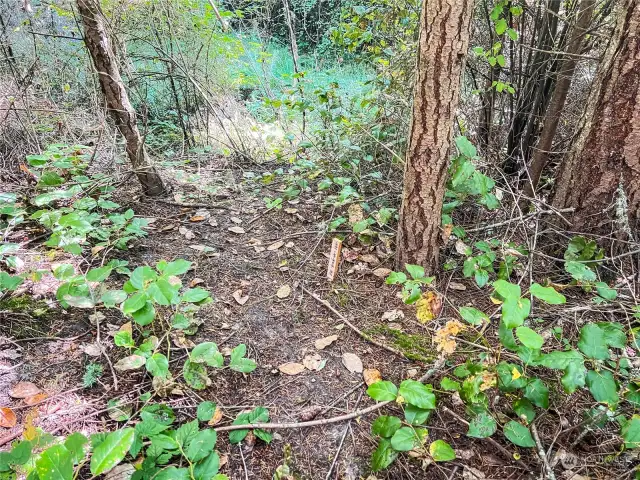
(334, 259)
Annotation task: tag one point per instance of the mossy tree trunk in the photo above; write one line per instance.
(442, 46)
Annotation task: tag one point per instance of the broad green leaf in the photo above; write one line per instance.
(186, 432)
(605, 291)
(441, 451)
(529, 338)
(395, 278)
(111, 451)
(205, 411)
(515, 311)
(98, 274)
(537, 392)
(614, 335)
(592, 342)
(561, 359)
(134, 303)
(207, 353)
(547, 294)
(603, 387)
(75, 443)
(123, 338)
(177, 267)
(501, 26)
(574, 377)
(173, 473)
(111, 298)
(524, 408)
(580, 271)
(21, 453)
(482, 426)
(383, 456)
(194, 295)
(207, 468)
(507, 290)
(416, 416)
(201, 445)
(631, 432)
(243, 365)
(465, 147)
(158, 365)
(382, 391)
(417, 394)
(141, 276)
(473, 315)
(408, 438)
(195, 375)
(145, 315)
(505, 334)
(510, 377)
(55, 463)
(385, 426)
(518, 434)
(416, 271)
(449, 385)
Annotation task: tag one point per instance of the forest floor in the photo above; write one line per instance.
(261, 266)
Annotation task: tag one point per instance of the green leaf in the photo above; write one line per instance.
(631, 432)
(614, 335)
(111, 451)
(158, 365)
(177, 267)
(561, 359)
(515, 311)
(383, 456)
(605, 291)
(240, 364)
(547, 294)
(441, 451)
(449, 385)
(123, 338)
(195, 375)
(194, 295)
(385, 426)
(574, 377)
(75, 443)
(416, 271)
(408, 438)
(506, 378)
(416, 416)
(592, 342)
(505, 334)
(537, 392)
(473, 315)
(98, 274)
(207, 468)
(580, 271)
(529, 338)
(482, 426)
(382, 391)
(524, 408)
(55, 463)
(63, 271)
(145, 315)
(141, 276)
(465, 147)
(173, 473)
(501, 26)
(207, 353)
(507, 290)
(186, 433)
(518, 434)
(111, 298)
(417, 394)
(395, 278)
(201, 445)
(205, 411)
(134, 303)
(603, 387)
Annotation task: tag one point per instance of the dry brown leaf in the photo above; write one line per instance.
(461, 247)
(197, 218)
(98, 248)
(126, 327)
(217, 416)
(24, 390)
(37, 398)
(238, 297)
(121, 472)
(428, 307)
(393, 315)
(132, 362)
(213, 222)
(236, 229)
(180, 341)
(284, 291)
(207, 250)
(186, 233)
(291, 210)
(309, 413)
(276, 245)
(352, 362)
(196, 281)
(92, 349)
(235, 220)
(369, 258)
(314, 362)
(349, 255)
(323, 343)
(457, 286)
(446, 232)
(356, 213)
(291, 368)
(382, 272)
(8, 418)
(371, 376)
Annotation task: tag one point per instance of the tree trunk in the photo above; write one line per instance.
(117, 100)
(442, 46)
(600, 178)
(556, 105)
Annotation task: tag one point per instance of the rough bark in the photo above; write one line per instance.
(117, 101)
(564, 78)
(602, 172)
(442, 46)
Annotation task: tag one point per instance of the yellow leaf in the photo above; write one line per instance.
(495, 301)
(428, 307)
(515, 374)
(30, 432)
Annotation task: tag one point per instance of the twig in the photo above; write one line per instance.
(246, 472)
(344, 435)
(113, 372)
(519, 218)
(10, 437)
(327, 421)
(360, 385)
(352, 326)
(195, 205)
(541, 453)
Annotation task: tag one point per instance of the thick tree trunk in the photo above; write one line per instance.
(600, 178)
(117, 100)
(443, 43)
(556, 104)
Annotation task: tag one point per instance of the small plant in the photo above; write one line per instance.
(481, 266)
(411, 287)
(580, 262)
(92, 373)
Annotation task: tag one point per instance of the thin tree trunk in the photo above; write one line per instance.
(442, 46)
(117, 99)
(556, 105)
(600, 178)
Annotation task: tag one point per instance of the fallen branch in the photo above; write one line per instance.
(326, 421)
(328, 306)
(541, 453)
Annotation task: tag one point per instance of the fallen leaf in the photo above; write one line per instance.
(10, 354)
(217, 416)
(92, 349)
(259, 249)
(30, 431)
(132, 362)
(291, 368)
(276, 245)
(121, 472)
(166, 228)
(126, 327)
(324, 342)
(309, 413)
(235, 220)
(98, 248)
(8, 418)
(213, 222)
(428, 307)
(237, 296)
(163, 386)
(356, 213)
(290, 245)
(24, 390)
(369, 258)
(393, 315)
(382, 272)
(37, 398)
(188, 234)
(461, 247)
(209, 251)
(470, 473)
(236, 229)
(446, 232)
(457, 286)
(291, 210)
(196, 281)
(197, 218)
(349, 255)
(352, 362)
(371, 376)
(314, 362)
(284, 291)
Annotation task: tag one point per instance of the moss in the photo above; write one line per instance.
(25, 304)
(414, 347)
